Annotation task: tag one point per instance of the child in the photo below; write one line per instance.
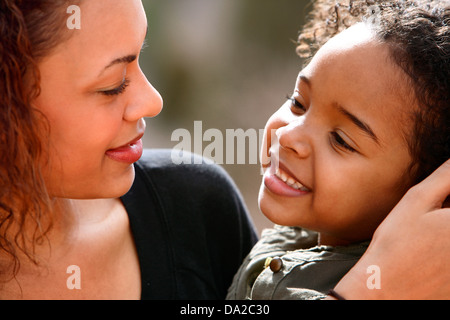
(367, 120)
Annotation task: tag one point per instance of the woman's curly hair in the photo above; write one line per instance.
(418, 35)
(29, 30)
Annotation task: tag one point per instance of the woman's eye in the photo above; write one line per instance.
(118, 90)
(338, 141)
(296, 106)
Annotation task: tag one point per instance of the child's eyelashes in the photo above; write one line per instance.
(339, 142)
(296, 106)
(118, 90)
(336, 138)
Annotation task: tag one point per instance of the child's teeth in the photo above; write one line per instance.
(289, 180)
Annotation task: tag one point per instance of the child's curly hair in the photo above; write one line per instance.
(418, 35)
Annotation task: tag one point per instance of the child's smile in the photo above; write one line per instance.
(280, 180)
(338, 154)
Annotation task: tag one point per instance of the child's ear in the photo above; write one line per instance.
(413, 172)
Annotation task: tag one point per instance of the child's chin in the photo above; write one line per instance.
(275, 213)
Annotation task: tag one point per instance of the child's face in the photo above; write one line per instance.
(341, 144)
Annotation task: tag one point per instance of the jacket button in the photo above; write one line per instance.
(276, 264)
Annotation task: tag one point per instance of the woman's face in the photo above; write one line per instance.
(337, 151)
(95, 97)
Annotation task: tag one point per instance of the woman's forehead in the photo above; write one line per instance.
(109, 30)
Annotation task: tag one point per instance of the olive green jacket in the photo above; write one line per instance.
(304, 270)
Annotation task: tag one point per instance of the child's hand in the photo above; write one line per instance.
(411, 248)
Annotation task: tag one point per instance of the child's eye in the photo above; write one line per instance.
(117, 91)
(338, 141)
(296, 106)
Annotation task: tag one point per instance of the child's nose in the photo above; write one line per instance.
(295, 137)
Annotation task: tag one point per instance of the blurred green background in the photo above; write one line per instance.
(227, 63)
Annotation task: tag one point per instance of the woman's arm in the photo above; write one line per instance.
(410, 249)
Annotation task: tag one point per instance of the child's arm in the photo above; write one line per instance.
(411, 247)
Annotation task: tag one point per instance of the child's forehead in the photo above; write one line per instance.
(359, 33)
(356, 44)
(355, 69)
(356, 59)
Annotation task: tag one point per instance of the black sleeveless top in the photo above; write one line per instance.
(190, 226)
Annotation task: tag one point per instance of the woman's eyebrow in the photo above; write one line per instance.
(125, 59)
(359, 123)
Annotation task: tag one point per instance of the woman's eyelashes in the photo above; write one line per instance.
(118, 90)
(144, 45)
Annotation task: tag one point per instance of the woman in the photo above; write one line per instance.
(73, 107)
(72, 195)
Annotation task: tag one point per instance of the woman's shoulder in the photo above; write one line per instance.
(197, 215)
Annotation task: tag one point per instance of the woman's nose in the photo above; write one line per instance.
(145, 101)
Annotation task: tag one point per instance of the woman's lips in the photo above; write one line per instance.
(129, 153)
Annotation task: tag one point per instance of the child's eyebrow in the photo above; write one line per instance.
(359, 123)
(304, 79)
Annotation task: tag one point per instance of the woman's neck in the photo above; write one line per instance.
(73, 223)
(93, 235)
(74, 217)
